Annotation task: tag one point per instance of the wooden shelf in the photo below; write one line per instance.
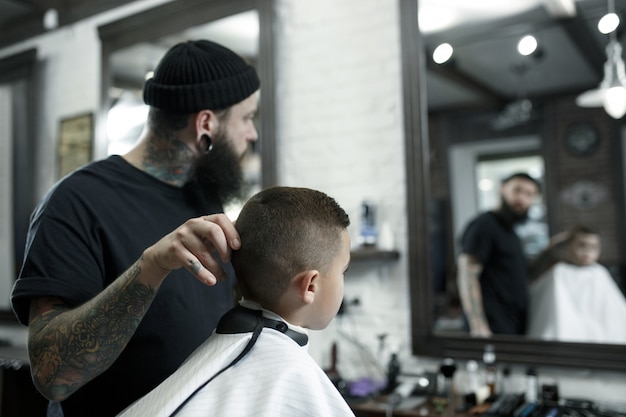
(373, 254)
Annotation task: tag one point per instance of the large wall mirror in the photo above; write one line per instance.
(132, 47)
(490, 110)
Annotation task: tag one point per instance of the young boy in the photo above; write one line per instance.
(577, 299)
(295, 248)
(582, 247)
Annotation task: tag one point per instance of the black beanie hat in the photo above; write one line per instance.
(198, 75)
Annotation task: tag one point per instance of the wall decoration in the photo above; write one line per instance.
(75, 143)
(582, 139)
(584, 195)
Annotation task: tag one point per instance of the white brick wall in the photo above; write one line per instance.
(340, 130)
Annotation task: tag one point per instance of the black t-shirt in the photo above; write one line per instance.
(504, 279)
(89, 229)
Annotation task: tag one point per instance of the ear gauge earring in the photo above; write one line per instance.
(209, 143)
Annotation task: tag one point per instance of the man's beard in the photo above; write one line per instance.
(219, 172)
(509, 215)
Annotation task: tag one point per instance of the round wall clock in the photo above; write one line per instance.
(582, 139)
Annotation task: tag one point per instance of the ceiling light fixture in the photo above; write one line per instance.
(443, 53)
(608, 23)
(51, 19)
(527, 45)
(611, 93)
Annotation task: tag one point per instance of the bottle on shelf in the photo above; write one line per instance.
(447, 370)
(393, 372)
(473, 376)
(445, 399)
(476, 392)
(532, 385)
(506, 386)
(491, 370)
(368, 235)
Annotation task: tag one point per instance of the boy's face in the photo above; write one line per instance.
(330, 293)
(584, 249)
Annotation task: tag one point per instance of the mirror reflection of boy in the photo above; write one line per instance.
(582, 246)
(577, 299)
(295, 249)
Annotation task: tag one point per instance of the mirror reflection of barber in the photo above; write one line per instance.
(492, 268)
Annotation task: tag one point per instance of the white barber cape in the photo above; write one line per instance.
(276, 378)
(577, 304)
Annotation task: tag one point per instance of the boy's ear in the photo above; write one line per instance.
(307, 285)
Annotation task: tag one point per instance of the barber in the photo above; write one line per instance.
(122, 276)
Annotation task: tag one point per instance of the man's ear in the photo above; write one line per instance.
(206, 122)
(307, 284)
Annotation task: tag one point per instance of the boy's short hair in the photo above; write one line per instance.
(284, 231)
(579, 230)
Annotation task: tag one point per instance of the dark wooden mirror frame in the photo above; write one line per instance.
(424, 342)
(175, 17)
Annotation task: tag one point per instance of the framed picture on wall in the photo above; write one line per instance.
(75, 143)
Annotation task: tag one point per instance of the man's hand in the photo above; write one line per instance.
(195, 246)
(480, 329)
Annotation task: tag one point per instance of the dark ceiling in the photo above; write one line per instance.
(22, 19)
(486, 70)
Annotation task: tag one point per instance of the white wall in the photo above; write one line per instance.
(339, 130)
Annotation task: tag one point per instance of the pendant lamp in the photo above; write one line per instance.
(611, 93)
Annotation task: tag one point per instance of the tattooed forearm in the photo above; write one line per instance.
(475, 294)
(470, 292)
(70, 347)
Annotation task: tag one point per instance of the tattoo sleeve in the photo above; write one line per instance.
(469, 270)
(69, 347)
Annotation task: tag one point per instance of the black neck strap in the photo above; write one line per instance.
(244, 320)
